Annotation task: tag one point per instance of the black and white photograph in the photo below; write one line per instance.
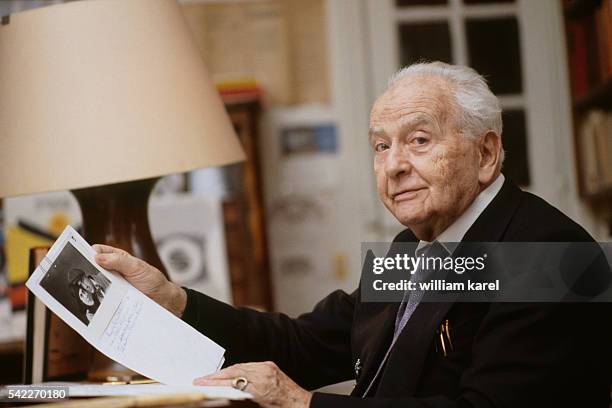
(75, 283)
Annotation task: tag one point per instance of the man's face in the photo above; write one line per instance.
(85, 297)
(426, 170)
(87, 284)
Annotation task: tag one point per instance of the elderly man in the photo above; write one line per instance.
(436, 139)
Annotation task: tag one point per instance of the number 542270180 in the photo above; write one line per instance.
(34, 393)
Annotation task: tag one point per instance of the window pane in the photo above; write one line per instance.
(494, 52)
(487, 1)
(429, 41)
(407, 3)
(514, 137)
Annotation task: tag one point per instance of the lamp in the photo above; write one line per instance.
(102, 97)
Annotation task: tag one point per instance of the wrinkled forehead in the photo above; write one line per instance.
(426, 95)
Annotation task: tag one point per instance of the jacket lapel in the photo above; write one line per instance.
(372, 334)
(410, 351)
(376, 331)
(407, 358)
(491, 225)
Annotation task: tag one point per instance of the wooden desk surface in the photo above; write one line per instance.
(15, 349)
(104, 402)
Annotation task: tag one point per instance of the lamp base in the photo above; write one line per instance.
(117, 215)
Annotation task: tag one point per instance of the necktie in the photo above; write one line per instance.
(410, 301)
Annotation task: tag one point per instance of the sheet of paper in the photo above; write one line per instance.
(99, 390)
(119, 320)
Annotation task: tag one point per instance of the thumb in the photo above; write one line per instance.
(121, 262)
(106, 249)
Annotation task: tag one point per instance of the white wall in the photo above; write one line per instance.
(344, 180)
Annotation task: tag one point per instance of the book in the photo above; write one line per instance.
(578, 58)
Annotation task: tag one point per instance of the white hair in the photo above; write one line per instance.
(479, 109)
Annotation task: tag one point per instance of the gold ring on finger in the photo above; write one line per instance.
(240, 383)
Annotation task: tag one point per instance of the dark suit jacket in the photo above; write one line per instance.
(505, 354)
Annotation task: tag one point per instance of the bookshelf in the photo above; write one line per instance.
(243, 209)
(599, 96)
(588, 25)
(579, 8)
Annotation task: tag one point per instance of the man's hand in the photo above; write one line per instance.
(144, 277)
(270, 387)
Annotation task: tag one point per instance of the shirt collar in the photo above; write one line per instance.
(452, 235)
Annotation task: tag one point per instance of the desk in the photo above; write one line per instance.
(84, 401)
(120, 396)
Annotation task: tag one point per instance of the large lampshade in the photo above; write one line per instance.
(101, 97)
(104, 91)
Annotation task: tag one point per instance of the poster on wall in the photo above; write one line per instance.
(189, 235)
(32, 221)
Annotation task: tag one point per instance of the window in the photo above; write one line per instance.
(484, 34)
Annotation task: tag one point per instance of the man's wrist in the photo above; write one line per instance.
(308, 399)
(177, 300)
(305, 399)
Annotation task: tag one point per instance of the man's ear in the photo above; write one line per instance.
(490, 149)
